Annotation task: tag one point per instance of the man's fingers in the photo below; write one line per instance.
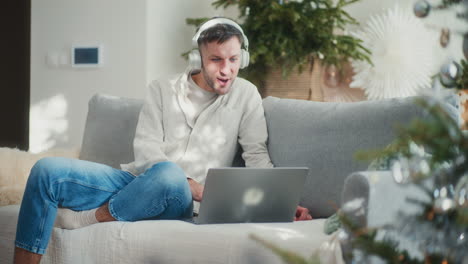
(302, 213)
(304, 216)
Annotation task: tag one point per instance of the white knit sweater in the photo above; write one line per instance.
(164, 133)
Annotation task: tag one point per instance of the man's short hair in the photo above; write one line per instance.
(220, 33)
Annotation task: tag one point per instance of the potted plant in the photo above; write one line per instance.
(290, 35)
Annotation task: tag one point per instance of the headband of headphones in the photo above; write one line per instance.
(215, 21)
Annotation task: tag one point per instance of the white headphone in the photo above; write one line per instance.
(194, 55)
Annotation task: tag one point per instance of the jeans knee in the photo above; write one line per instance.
(45, 163)
(168, 167)
(47, 169)
(41, 168)
(167, 172)
(170, 176)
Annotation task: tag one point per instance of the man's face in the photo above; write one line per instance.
(220, 65)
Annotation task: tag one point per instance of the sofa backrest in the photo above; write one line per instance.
(322, 136)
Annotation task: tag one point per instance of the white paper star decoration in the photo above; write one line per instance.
(402, 56)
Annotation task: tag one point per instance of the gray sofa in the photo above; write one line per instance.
(321, 136)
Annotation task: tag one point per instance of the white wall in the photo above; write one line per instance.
(59, 94)
(168, 34)
(141, 39)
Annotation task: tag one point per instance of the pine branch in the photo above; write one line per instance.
(462, 81)
(365, 239)
(196, 21)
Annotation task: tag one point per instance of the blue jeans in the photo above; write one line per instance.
(161, 192)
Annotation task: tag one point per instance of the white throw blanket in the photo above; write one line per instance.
(15, 166)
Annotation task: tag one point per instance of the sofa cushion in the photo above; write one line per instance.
(324, 137)
(168, 241)
(110, 129)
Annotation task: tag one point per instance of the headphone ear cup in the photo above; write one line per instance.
(195, 59)
(245, 58)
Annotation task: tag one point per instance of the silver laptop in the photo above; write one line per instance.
(243, 195)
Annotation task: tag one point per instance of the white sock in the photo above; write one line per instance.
(69, 219)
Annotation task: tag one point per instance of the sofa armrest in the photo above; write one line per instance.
(382, 198)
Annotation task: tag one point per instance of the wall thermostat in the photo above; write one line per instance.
(86, 56)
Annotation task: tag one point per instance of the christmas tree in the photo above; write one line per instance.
(432, 155)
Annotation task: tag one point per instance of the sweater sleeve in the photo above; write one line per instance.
(253, 133)
(148, 143)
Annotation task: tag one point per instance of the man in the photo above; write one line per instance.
(188, 124)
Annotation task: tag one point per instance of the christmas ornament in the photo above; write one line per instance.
(461, 192)
(444, 37)
(400, 171)
(421, 8)
(449, 73)
(313, 5)
(405, 170)
(443, 205)
(444, 201)
(462, 238)
(400, 46)
(416, 150)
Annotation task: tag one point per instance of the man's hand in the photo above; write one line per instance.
(196, 189)
(302, 214)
